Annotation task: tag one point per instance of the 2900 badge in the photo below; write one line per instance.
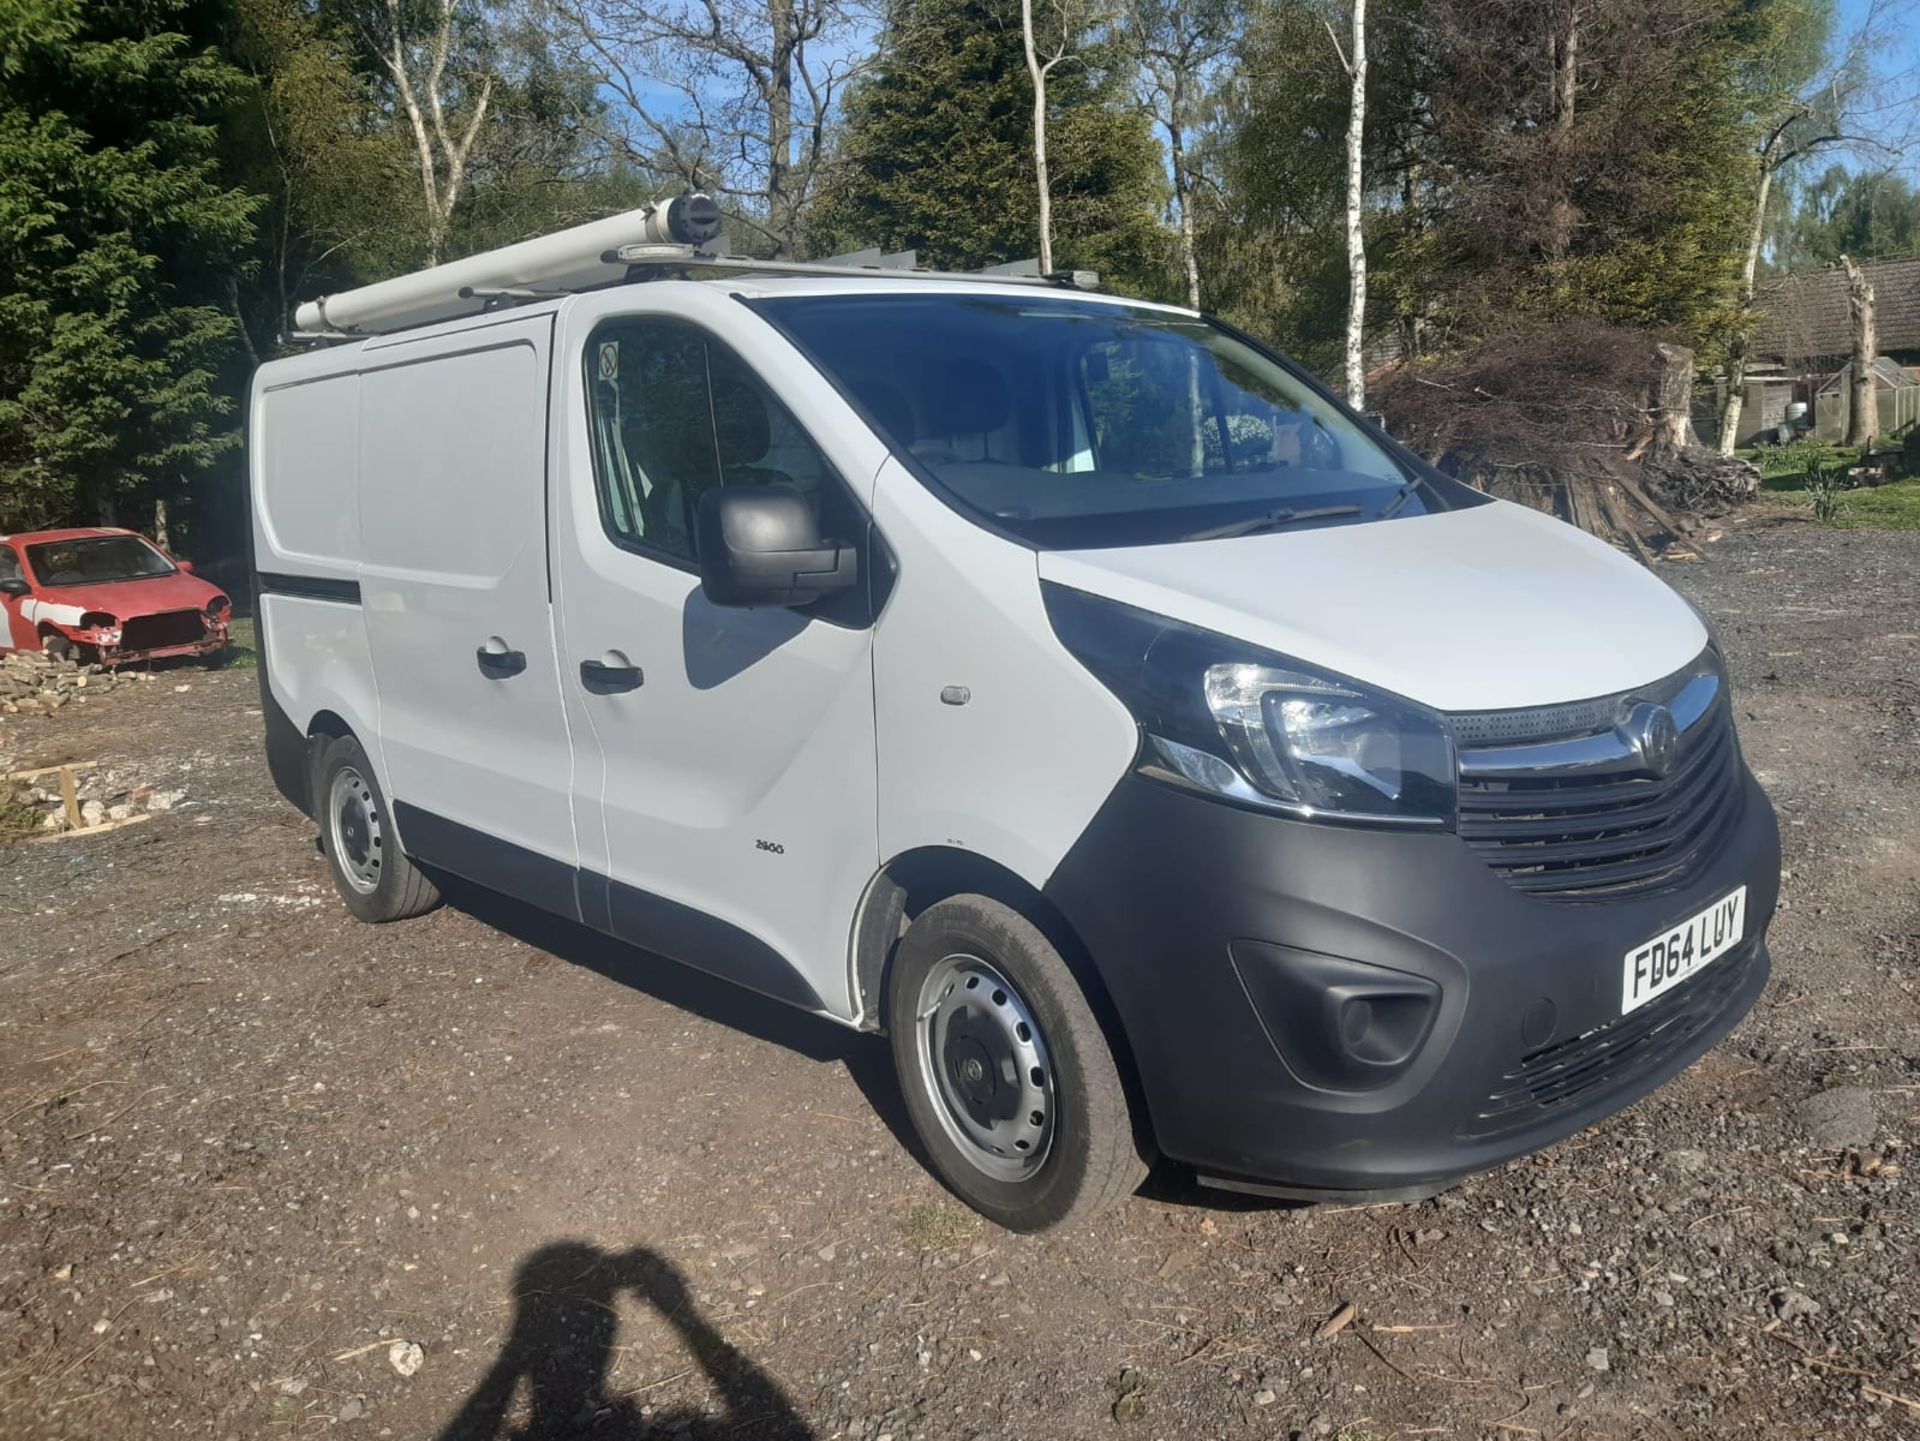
(1665, 961)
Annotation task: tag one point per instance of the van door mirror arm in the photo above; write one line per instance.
(760, 545)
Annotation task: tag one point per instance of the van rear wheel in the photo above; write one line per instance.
(373, 876)
(1010, 1081)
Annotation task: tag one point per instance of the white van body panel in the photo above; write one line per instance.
(1017, 771)
(453, 557)
(1491, 607)
(739, 779)
(304, 439)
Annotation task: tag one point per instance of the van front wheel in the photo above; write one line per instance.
(1009, 1078)
(374, 878)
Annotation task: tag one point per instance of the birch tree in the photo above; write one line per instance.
(1180, 49)
(416, 45)
(1356, 66)
(1038, 69)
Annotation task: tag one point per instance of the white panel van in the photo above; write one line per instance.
(1165, 760)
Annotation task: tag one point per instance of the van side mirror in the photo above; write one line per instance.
(760, 545)
(15, 585)
(185, 565)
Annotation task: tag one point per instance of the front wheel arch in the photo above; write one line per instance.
(915, 880)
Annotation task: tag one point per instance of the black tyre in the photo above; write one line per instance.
(1010, 1080)
(217, 659)
(374, 878)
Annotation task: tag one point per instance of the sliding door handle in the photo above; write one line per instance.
(497, 661)
(611, 674)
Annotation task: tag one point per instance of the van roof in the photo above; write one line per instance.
(752, 285)
(881, 282)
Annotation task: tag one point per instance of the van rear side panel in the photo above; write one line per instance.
(306, 447)
(303, 446)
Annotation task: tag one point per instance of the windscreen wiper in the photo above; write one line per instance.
(1398, 498)
(1273, 520)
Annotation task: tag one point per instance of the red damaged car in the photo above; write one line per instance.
(110, 596)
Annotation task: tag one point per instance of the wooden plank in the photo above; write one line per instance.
(1646, 503)
(98, 830)
(49, 770)
(1617, 513)
(70, 797)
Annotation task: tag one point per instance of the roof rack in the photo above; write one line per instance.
(643, 259)
(681, 234)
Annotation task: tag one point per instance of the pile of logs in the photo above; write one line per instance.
(1587, 421)
(35, 683)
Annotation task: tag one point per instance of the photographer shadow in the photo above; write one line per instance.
(561, 1345)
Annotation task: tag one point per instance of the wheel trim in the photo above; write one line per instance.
(985, 1067)
(353, 821)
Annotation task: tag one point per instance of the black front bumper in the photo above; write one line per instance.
(1216, 929)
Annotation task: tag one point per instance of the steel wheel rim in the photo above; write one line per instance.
(353, 817)
(984, 1064)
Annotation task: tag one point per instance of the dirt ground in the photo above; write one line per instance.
(252, 1154)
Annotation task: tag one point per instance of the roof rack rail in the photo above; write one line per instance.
(678, 234)
(643, 257)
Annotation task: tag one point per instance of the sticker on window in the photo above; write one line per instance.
(609, 360)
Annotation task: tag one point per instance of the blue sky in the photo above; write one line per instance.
(1896, 55)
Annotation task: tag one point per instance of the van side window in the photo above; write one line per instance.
(674, 413)
(9, 563)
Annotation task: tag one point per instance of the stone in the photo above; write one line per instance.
(1839, 1117)
(405, 1357)
(1790, 1304)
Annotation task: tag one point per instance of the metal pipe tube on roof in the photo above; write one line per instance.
(571, 259)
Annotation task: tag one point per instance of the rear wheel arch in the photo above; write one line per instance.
(328, 725)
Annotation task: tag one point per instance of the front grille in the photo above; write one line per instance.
(173, 627)
(1563, 1076)
(1585, 834)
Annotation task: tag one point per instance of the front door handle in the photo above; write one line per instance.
(497, 661)
(611, 674)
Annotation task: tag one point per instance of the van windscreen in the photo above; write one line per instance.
(1073, 424)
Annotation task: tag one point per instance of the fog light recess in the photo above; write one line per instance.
(1339, 1025)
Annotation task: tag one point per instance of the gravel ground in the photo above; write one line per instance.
(264, 1171)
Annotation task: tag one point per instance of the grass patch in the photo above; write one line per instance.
(243, 649)
(938, 1228)
(1786, 469)
(1782, 466)
(1885, 507)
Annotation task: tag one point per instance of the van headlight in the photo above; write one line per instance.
(1221, 716)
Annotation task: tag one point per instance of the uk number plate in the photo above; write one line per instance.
(1683, 952)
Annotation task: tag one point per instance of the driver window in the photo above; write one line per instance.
(674, 413)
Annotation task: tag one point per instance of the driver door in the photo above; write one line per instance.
(726, 761)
